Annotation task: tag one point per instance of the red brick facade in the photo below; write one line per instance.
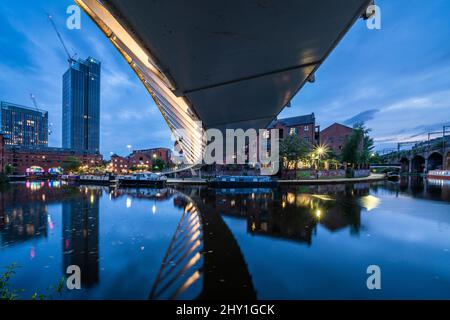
(140, 159)
(303, 126)
(335, 136)
(24, 158)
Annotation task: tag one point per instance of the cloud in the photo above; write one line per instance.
(362, 117)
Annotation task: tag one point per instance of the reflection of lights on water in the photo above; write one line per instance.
(318, 213)
(32, 253)
(195, 276)
(233, 203)
(50, 222)
(369, 202)
(283, 204)
(290, 197)
(92, 198)
(34, 185)
(154, 209)
(188, 207)
(43, 197)
(54, 184)
(129, 203)
(253, 226)
(253, 196)
(438, 182)
(323, 197)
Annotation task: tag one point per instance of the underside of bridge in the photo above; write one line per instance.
(223, 64)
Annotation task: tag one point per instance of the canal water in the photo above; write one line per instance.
(297, 242)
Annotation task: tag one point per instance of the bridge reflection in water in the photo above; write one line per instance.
(204, 249)
(206, 256)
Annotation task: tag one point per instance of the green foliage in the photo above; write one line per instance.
(375, 158)
(9, 169)
(358, 147)
(292, 150)
(70, 164)
(158, 165)
(3, 179)
(8, 293)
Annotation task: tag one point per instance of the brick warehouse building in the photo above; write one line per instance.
(335, 136)
(142, 159)
(302, 126)
(22, 158)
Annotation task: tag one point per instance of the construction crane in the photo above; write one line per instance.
(71, 58)
(33, 98)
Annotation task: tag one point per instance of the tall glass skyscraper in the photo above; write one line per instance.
(24, 126)
(81, 106)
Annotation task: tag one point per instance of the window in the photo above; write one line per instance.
(293, 131)
(306, 128)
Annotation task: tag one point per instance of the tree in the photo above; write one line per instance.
(71, 164)
(9, 169)
(158, 164)
(367, 144)
(292, 150)
(358, 147)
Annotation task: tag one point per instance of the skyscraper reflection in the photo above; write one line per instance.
(80, 239)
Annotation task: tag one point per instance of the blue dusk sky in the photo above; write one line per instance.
(396, 79)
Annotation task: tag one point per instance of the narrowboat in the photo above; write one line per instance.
(103, 180)
(439, 174)
(242, 182)
(144, 179)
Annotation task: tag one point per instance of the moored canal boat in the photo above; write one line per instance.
(16, 177)
(439, 174)
(242, 182)
(393, 176)
(69, 178)
(144, 179)
(104, 180)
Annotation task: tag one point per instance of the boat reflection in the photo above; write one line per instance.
(418, 187)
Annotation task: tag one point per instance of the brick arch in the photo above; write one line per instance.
(418, 164)
(434, 160)
(404, 164)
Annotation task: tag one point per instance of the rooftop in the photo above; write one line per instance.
(48, 150)
(5, 104)
(337, 124)
(294, 121)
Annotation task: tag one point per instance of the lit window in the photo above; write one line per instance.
(306, 128)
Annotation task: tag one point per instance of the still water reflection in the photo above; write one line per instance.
(300, 242)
